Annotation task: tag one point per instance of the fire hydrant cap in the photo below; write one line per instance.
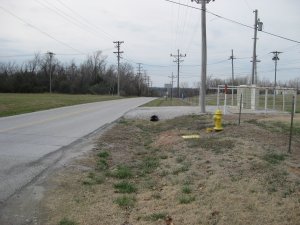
(218, 112)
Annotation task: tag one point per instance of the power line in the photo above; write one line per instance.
(39, 30)
(71, 19)
(84, 19)
(234, 21)
(177, 27)
(246, 2)
(62, 54)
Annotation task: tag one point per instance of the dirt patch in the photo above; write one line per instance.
(141, 172)
(168, 139)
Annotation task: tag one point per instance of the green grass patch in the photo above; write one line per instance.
(186, 199)
(274, 158)
(14, 104)
(125, 201)
(122, 172)
(156, 216)
(149, 164)
(93, 179)
(183, 168)
(66, 221)
(102, 164)
(186, 189)
(103, 154)
(125, 187)
(166, 102)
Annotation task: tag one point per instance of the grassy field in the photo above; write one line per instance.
(13, 104)
(142, 172)
(166, 102)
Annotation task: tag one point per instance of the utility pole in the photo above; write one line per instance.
(232, 73)
(257, 26)
(232, 66)
(172, 82)
(202, 91)
(147, 79)
(118, 46)
(178, 60)
(50, 73)
(139, 77)
(275, 59)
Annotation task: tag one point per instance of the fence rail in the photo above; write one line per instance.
(267, 99)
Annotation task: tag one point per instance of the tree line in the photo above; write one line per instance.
(93, 76)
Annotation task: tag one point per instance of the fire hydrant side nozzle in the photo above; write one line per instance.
(218, 120)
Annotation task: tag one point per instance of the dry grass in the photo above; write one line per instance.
(239, 176)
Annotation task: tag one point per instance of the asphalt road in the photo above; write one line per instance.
(28, 142)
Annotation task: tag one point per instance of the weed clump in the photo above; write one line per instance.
(122, 172)
(156, 216)
(186, 199)
(149, 164)
(125, 187)
(274, 158)
(93, 179)
(103, 154)
(186, 189)
(125, 201)
(66, 221)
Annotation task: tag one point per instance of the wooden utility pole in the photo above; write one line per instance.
(232, 78)
(202, 91)
(139, 74)
(118, 46)
(172, 82)
(257, 26)
(178, 60)
(232, 66)
(275, 59)
(50, 72)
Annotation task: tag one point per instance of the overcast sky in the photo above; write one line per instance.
(152, 30)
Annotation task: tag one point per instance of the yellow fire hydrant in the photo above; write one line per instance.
(218, 120)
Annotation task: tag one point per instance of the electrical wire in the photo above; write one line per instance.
(234, 21)
(21, 55)
(86, 20)
(39, 30)
(177, 27)
(64, 16)
(247, 3)
(186, 17)
(71, 19)
(62, 54)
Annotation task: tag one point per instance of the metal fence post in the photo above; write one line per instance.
(218, 97)
(283, 100)
(266, 100)
(241, 99)
(292, 121)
